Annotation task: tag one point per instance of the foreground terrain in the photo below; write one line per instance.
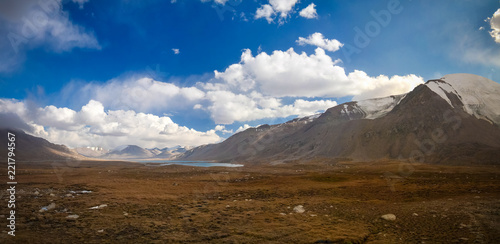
(342, 202)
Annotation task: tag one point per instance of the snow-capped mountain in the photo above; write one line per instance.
(453, 120)
(477, 95)
(131, 152)
(93, 152)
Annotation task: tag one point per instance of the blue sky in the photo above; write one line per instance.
(189, 72)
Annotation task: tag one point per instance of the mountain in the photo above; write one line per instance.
(93, 152)
(452, 120)
(129, 152)
(31, 148)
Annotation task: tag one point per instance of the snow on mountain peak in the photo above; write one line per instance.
(480, 96)
(378, 107)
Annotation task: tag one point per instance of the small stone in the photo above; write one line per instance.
(36, 193)
(49, 207)
(52, 194)
(389, 217)
(100, 231)
(73, 216)
(415, 214)
(69, 195)
(299, 209)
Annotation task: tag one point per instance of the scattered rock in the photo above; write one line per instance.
(36, 193)
(69, 195)
(73, 216)
(415, 214)
(52, 194)
(100, 231)
(313, 215)
(80, 192)
(125, 214)
(283, 214)
(47, 208)
(100, 206)
(299, 209)
(389, 217)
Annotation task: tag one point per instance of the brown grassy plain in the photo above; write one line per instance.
(343, 203)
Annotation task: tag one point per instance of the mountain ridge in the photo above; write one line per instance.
(421, 126)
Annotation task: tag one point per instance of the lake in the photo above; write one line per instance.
(187, 163)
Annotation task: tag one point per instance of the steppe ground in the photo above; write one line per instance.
(343, 203)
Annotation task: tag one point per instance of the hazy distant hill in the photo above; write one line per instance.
(454, 119)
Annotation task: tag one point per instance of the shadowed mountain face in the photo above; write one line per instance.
(30, 148)
(452, 120)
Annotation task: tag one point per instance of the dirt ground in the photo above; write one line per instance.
(343, 203)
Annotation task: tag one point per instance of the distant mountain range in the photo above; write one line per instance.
(451, 120)
(130, 152)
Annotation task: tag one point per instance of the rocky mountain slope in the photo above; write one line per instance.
(451, 120)
(31, 148)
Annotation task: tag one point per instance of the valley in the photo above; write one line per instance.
(342, 202)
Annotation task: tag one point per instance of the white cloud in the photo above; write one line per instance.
(309, 12)
(243, 127)
(317, 39)
(176, 50)
(265, 11)
(222, 128)
(283, 6)
(275, 7)
(221, 1)
(80, 2)
(93, 126)
(227, 107)
(138, 94)
(32, 24)
(495, 26)
(290, 74)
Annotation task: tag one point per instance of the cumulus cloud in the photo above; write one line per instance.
(138, 94)
(317, 39)
(227, 107)
(280, 8)
(265, 11)
(309, 12)
(283, 7)
(31, 24)
(495, 26)
(94, 126)
(176, 50)
(290, 74)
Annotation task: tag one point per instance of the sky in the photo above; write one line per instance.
(159, 73)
